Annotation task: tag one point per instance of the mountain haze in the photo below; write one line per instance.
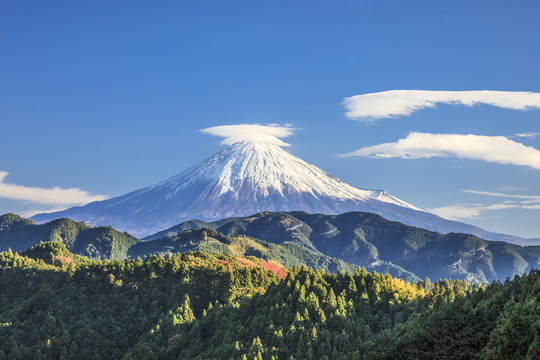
(248, 177)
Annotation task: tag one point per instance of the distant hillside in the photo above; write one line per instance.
(369, 240)
(101, 242)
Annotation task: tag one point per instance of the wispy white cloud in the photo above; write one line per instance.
(530, 135)
(498, 149)
(45, 209)
(395, 103)
(469, 211)
(489, 193)
(458, 211)
(512, 188)
(531, 207)
(53, 196)
(475, 210)
(537, 200)
(272, 133)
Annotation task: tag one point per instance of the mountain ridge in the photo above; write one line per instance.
(331, 242)
(19, 234)
(246, 178)
(367, 239)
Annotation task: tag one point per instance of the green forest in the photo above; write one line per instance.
(329, 242)
(196, 305)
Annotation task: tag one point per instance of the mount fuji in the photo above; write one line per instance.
(245, 178)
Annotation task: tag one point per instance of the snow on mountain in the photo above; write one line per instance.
(248, 177)
(255, 170)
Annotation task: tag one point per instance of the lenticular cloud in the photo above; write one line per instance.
(251, 133)
(498, 149)
(395, 103)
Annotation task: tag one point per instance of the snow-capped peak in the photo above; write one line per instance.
(247, 177)
(268, 169)
(253, 174)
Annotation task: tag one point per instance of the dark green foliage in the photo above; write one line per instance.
(56, 305)
(102, 242)
(499, 322)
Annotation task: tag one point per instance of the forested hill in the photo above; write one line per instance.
(18, 234)
(103, 242)
(369, 240)
(56, 305)
(333, 242)
(212, 241)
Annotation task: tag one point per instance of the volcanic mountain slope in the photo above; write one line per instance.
(245, 178)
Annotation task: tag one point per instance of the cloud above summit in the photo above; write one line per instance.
(416, 145)
(272, 133)
(396, 103)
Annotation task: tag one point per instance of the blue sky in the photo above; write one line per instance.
(108, 97)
